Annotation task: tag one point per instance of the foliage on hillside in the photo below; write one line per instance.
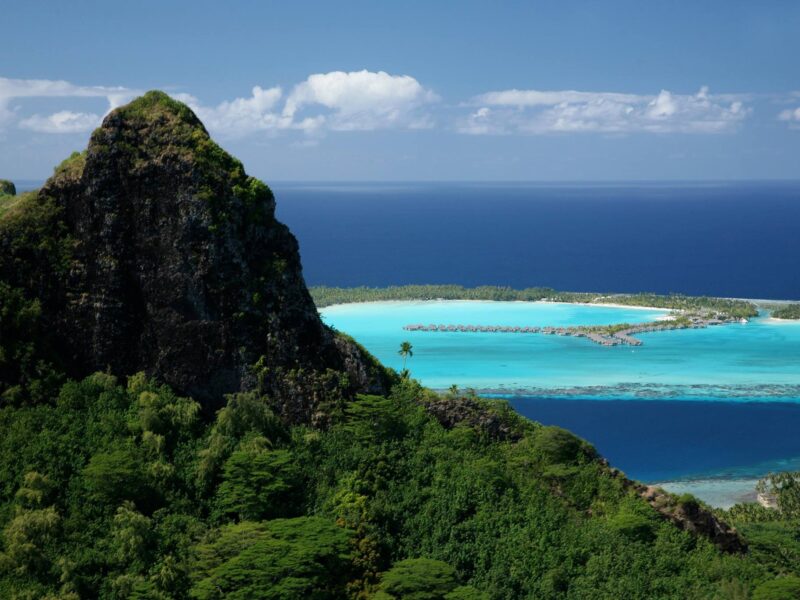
(123, 491)
(773, 534)
(7, 188)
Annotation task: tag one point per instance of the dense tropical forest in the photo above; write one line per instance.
(176, 422)
(124, 490)
(327, 296)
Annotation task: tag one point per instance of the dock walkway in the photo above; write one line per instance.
(592, 333)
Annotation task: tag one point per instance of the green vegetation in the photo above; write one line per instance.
(125, 491)
(784, 588)
(156, 103)
(325, 296)
(186, 137)
(304, 557)
(773, 534)
(424, 579)
(8, 202)
(788, 311)
(7, 188)
(406, 351)
(691, 304)
(72, 166)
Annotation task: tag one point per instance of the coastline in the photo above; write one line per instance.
(779, 321)
(421, 300)
(718, 492)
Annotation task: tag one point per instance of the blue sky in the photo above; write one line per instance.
(564, 91)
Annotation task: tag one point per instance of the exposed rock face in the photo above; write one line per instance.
(452, 411)
(176, 265)
(7, 188)
(691, 516)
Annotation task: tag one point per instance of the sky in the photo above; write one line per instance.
(415, 91)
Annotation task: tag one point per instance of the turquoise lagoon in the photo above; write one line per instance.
(723, 402)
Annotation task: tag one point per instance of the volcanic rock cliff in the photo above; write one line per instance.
(154, 251)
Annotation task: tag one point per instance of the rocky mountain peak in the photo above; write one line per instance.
(173, 263)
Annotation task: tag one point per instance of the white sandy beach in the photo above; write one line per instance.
(419, 301)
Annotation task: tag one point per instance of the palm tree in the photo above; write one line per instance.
(405, 352)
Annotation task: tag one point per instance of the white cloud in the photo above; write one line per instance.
(369, 100)
(540, 112)
(241, 116)
(532, 98)
(41, 88)
(64, 121)
(338, 101)
(792, 115)
(360, 100)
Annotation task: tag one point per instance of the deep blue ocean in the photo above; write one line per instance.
(659, 440)
(726, 239)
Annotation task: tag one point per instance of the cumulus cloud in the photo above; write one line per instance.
(64, 121)
(241, 116)
(360, 100)
(540, 112)
(370, 100)
(335, 101)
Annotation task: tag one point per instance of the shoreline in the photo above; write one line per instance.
(718, 492)
(432, 300)
(779, 321)
(581, 393)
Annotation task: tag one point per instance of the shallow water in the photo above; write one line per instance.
(759, 360)
(706, 411)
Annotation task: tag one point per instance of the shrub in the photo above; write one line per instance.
(306, 557)
(557, 445)
(418, 579)
(783, 588)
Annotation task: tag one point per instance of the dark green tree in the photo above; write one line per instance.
(257, 482)
(783, 588)
(112, 477)
(417, 579)
(283, 559)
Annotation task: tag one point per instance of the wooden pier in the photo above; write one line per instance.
(592, 333)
